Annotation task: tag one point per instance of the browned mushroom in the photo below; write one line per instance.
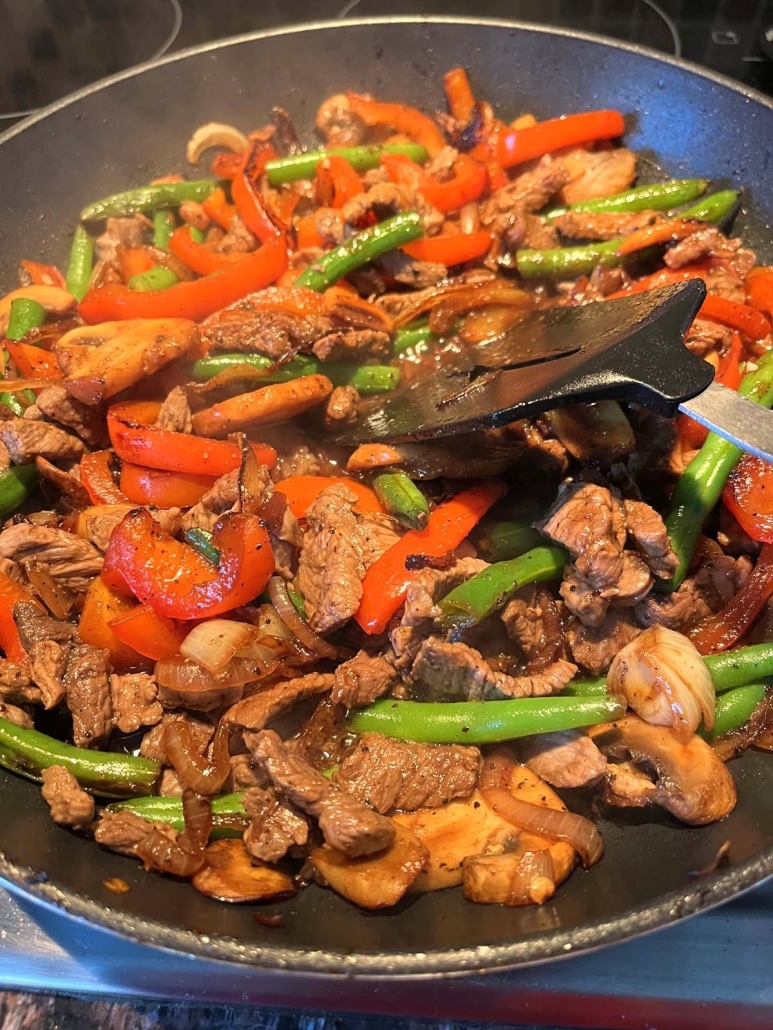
(658, 767)
(229, 874)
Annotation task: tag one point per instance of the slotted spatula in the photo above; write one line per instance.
(630, 349)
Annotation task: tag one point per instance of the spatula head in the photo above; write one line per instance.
(630, 349)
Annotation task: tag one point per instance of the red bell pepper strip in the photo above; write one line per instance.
(98, 480)
(748, 495)
(336, 181)
(219, 210)
(163, 489)
(245, 192)
(302, 491)
(148, 633)
(408, 120)
(175, 580)
(10, 593)
(135, 261)
(667, 231)
(136, 440)
(459, 95)
(723, 630)
(43, 275)
(737, 316)
(450, 250)
(197, 256)
(521, 145)
(387, 579)
(194, 300)
(759, 284)
(692, 433)
(33, 362)
(468, 183)
(307, 235)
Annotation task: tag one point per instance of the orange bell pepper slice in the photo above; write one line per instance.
(10, 593)
(459, 95)
(302, 491)
(97, 477)
(135, 261)
(307, 235)
(408, 120)
(100, 606)
(387, 579)
(149, 634)
(137, 440)
(450, 250)
(336, 181)
(194, 300)
(33, 362)
(163, 489)
(43, 275)
(219, 210)
(543, 138)
(174, 580)
(748, 495)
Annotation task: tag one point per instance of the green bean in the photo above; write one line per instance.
(80, 264)
(29, 752)
(148, 198)
(163, 227)
(655, 196)
(227, 810)
(414, 333)
(157, 278)
(366, 379)
(505, 540)
(734, 708)
(712, 208)
(567, 261)
(196, 234)
(11, 401)
(201, 541)
(360, 249)
(701, 484)
(483, 722)
(16, 483)
(586, 688)
(741, 666)
(475, 599)
(304, 166)
(25, 315)
(402, 499)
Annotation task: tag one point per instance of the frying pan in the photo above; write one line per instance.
(686, 122)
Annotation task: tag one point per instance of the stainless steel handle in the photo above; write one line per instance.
(734, 417)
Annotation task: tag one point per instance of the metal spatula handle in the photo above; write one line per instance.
(734, 417)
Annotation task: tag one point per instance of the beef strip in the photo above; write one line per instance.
(597, 173)
(398, 265)
(247, 326)
(352, 344)
(123, 831)
(88, 695)
(87, 421)
(420, 609)
(120, 232)
(175, 413)
(448, 670)
(134, 701)
(34, 625)
(650, 536)
(70, 805)
(346, 824)
(363, 679)
(388, 774)
(48, 662)
(275, 826)
(588, 521)
(223, 496)
(594, 647)
(563, 759)
(532, 619)
(72, 561)
(18, 716)
(15, 684)
(601, 225)
(338, 548)
(201, 728)
(341, 407)
(67, 483)
(255, 712)
(705, 337)
(99, 524)
(386, 199)
(337, 123)
(27, 440)
(707, 241)
(530, 191)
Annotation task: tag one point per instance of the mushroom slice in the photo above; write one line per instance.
(658, 767)
(373, 881)
(469, 827)
(229, 874)
(518, 877)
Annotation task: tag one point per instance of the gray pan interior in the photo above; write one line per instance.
(135, 126)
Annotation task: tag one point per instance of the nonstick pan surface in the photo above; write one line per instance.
(687, 122)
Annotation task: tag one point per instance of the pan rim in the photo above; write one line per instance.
(668, 909)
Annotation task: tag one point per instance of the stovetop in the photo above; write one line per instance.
(712, 971)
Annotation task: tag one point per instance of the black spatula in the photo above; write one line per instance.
(630, 349)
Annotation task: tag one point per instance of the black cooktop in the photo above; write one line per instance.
(51, 47)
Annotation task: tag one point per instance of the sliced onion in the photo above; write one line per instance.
(280, 598)
(552, 823)
(189, 685)
(194, 770)
(469, 218)
(57, 598)
(214, 642)
(182, 855)
(458, 298)
(252, 483)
